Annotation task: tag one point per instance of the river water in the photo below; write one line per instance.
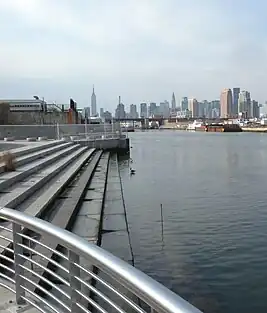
(213, 190)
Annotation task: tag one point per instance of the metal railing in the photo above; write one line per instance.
(58, 131)
(80, 277)
(93, 136)
(89, 131)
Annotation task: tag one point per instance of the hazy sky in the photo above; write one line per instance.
(142, 50)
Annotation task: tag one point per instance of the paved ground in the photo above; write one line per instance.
(8, 146)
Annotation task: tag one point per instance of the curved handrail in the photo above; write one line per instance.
(153, 293)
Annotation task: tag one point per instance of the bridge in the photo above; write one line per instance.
(162, 120)
(62, 214)
(142, 120)
(139, 119)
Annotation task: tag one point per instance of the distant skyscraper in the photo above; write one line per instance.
(263, 109)
(143, 110)
(120, 111)
(101, 112)
(184, 104)
(86, 112)
(164, 108)
(133, 111)
(236, 92)
(215, 113)
(226, 103)
(255, 109)
(244, 104)
(152, 109)
(107, 115)
(203, 108)
(212, 109)
(173, 103)
(215, 104)
(193, 107)
(93, 103)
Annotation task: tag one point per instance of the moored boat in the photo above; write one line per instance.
(222, 128)
(196, 125)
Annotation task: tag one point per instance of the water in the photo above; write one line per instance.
(213, 190)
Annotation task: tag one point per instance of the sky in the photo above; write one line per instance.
(142, 50)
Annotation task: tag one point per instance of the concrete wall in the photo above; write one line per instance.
(34, 118)
(4, 113)
(20, 132)
(121, 145)
(39, 118)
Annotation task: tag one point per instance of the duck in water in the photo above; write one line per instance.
(132, 171)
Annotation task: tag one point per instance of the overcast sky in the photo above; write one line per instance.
(142, 50)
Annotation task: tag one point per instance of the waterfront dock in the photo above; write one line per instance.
(106, 137)
(62, 211)
(71, 185)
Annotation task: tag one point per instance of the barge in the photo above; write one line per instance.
(221, 128)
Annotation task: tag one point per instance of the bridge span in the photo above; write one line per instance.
(162, 120)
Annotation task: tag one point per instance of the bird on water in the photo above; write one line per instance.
(132, 171)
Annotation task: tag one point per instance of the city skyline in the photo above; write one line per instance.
(233, 103)
(229, 105)
(190, 48)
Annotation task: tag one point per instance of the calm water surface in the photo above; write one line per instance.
(213, 188)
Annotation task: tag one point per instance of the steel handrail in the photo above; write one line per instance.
(150, 291)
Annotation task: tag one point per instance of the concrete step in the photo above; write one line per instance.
(66, 212)
(38, 207)
(86, 223)
(17, 193)
(32, 156)
(10, 178)
(92, 172)
(30, 148)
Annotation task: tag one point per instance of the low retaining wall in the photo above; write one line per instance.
(21, 132)
(121, 145)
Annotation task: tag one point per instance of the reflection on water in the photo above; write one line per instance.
(213, 191)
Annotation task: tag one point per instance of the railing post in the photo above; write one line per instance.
(112, 127)
(58, 133)
(74, 272)
(18, 250)
(86, 131)
(104, 130)
(120, 130)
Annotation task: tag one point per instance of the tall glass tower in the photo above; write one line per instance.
(173, 102)
(93, 103)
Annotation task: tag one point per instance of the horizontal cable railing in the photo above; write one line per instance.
(89, 131)
(59, 131)
(80, 276)
(94, 136)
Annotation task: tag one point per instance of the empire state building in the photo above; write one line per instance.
(93, 103)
